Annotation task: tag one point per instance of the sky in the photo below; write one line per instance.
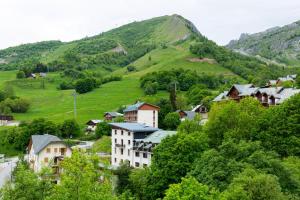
(25, 21)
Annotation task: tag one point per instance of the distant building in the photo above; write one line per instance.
(267, 96)
(143, 113)
(47, 151)
(92, 124)
(134, 142)
(5, 119)
(186, 115)
(110, 116)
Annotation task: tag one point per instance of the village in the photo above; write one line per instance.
(134, 138)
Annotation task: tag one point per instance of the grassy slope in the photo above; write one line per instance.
(57, 105)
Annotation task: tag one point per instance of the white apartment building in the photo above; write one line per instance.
(143, 113)
(134, 142)
(123, 137)
(46, 151)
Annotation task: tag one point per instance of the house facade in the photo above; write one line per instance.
(134, 143)
(143, 113)
(110, 116)
(46, 151)
(92, 124)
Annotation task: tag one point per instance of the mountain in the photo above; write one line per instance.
(279, 44)
(158, 44)
(118, 47)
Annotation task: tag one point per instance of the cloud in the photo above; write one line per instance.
(37, 20)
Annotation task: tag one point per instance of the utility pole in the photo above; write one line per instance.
(75, 110)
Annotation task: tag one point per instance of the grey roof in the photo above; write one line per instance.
(39, 142)
(242, 88)
(248, 91)
(221, 96)
(287, 93)
(158, 136)
(271, 90)
(190, 114)
(134, 107)
(135, 127)
(114, 114)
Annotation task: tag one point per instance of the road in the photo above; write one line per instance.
(6, 169)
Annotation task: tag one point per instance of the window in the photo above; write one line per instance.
(121, 151)
(128, 152)
(46, 160)
(145, 165)
(115, 160)
(137, 164)
(128, 142)
(128, 133)
(55, 150)
(62, 151)
(115, 141)
(115, 150)
(122, 132)
(48, 150)
(115, 132)
(122, 142)
(145, 155)
(137, 154)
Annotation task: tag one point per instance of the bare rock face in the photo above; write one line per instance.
(281, 44)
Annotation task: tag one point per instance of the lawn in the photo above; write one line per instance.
(57, 105)
(102, 145)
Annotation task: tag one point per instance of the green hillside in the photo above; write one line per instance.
(159, 44)
(279, 44)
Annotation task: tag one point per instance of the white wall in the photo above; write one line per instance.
(146, 117)
(116, 151)
(39, 159)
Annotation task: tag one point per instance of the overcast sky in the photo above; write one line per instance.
(23, 21)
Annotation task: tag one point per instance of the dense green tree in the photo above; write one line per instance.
(85, 85)
(172, 120)
(80, 180)
(196, 94)
(70, 128)
(26, 186)
(165, 108)
(173, 159)
(103, 128)
(279, 128)
(123, 172)
(190, 189)
(232, 119)
(253, 185)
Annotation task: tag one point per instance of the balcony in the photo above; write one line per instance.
(120, 145)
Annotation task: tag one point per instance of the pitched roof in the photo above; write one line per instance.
(113, 114)
(241, 88)
(221, 96)
(248, 91)
(190, 114)
(94, 121)
(271, 90)
(287, 93)
(39, 142)
(158, 136)
(134, 127)
(136, 106)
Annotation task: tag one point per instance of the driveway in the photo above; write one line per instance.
(6, 169)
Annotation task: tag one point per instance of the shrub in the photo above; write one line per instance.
(85, 85)
(103, 128)
(20, 74)
(131, 68)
